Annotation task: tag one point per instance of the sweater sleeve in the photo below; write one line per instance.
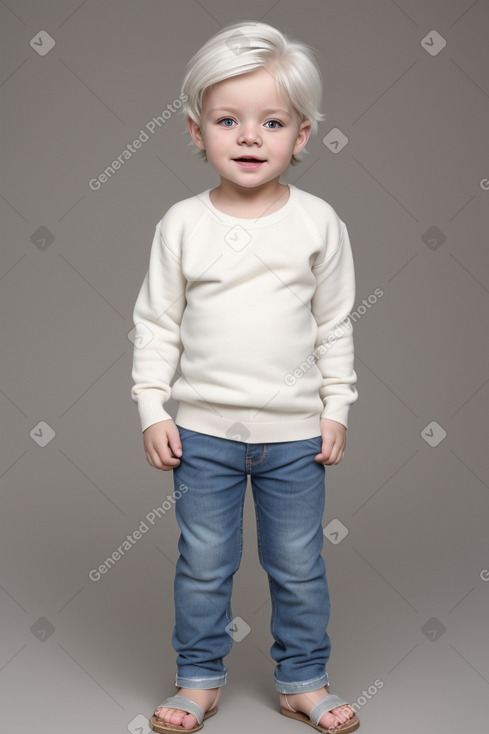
(332, 302)
(157, 316)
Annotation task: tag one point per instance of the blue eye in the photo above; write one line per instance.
(225, 120)
(276, 122)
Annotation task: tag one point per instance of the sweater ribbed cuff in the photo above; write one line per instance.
(150, 407)
(337, 413)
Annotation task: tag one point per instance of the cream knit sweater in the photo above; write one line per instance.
(257, 312)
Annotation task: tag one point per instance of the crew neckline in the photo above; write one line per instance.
(250, 221)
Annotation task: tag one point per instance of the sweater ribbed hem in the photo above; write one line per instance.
(224, 425)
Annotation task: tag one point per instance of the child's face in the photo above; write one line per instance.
(247, 116)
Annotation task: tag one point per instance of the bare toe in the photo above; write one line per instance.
(181, 718)
(189, 721)
(176, 717)
(304, 703)
(341, 713)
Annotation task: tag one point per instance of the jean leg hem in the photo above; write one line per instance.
(201, 683)
(302, 686)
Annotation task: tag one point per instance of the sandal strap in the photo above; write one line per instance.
(328, 703)
(184, 704)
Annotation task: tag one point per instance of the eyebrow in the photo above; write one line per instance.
(265, 112)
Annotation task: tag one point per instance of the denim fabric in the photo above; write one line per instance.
(288, 488)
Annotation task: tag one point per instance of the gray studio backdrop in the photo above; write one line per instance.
(402, 157)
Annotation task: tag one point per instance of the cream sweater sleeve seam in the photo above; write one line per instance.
(163, 242)
(328, 258)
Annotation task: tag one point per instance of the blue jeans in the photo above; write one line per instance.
(289, 495)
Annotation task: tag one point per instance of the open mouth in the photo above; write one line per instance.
(248, 158)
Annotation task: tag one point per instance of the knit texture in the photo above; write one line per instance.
(253, 316)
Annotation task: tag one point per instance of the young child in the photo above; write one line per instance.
(250, 284)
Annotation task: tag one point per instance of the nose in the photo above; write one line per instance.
(250, 134)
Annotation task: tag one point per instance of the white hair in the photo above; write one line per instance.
(242, 47)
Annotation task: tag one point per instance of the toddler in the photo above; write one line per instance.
(249, 285)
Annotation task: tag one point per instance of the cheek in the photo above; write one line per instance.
(212, 139)
(218, 145)
(282, 147)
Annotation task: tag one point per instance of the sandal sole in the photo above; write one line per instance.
(349, 726)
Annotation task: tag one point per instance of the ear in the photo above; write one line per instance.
(195, 133)
(302, 137)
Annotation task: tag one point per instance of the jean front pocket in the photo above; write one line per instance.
(184, 432)
(316, 441)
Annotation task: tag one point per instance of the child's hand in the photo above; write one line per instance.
(334, 442)
(162, 445)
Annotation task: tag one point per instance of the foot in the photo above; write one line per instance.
(206, 699)
(304, 702)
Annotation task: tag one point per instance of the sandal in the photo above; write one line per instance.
(328, 703)
(184, 704)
